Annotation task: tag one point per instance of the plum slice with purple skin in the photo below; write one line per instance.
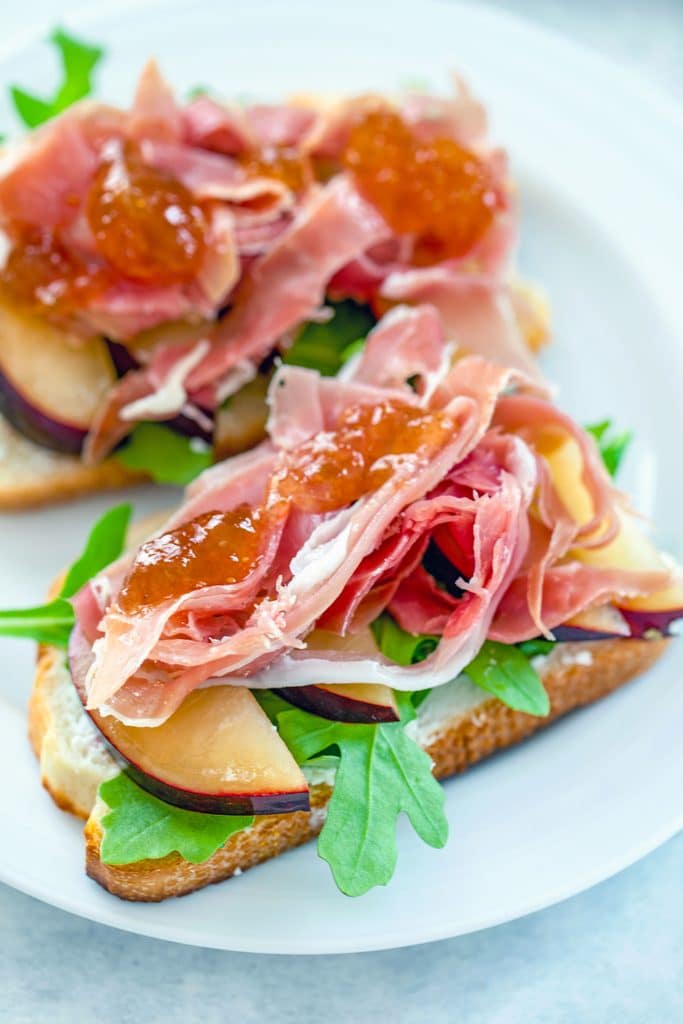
(217, 754)
(348, 702)
(643, 622)
(51, 382)
(602, 623)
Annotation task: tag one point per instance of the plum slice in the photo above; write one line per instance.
(602, 623)
(348, 702)
(51, 382)
(218, 753)
(633, 549)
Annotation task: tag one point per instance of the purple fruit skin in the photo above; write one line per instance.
(574, 634)
(642, 622)
(36, 425)
(122, 359)
(80, 657)
(212, 803)
(334, 706)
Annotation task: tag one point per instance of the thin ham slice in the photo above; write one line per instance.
(42, 177)
(477, 311)
(155, 115)
(408, 345)
(460, 116)
(210, 176)
(329, 549)
(287, 285)
(499, 544)
(280, 125)
(568, 589)
(210, 125)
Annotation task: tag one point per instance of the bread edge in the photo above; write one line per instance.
(574, 675)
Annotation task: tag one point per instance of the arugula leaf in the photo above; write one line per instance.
(79, 60)
(31, 110)
(611, 444)
(381, 773)
(324, 347)
(167, 456)
(504, 671)
(402, 647)
(47, 624)
(105, 544)
(141, 827)
(198, 90)
(354, 349)
(538, 646)
(52, 623)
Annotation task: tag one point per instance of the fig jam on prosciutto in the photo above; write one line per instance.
(281, 163)
(45, 276)
(334, 469)
(213, 549)
(144, 222)
(434, 189)
(325, 474)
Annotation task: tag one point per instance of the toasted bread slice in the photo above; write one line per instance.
(32, 475)
(457, 725)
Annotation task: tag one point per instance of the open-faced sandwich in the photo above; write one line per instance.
(424, 562)
(156, 260)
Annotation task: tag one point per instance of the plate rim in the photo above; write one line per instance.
(623, 76)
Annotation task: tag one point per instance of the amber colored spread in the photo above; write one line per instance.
(435, 189)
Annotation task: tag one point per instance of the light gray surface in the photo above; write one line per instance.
(613, 953)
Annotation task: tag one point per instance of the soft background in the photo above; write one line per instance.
(612, 954)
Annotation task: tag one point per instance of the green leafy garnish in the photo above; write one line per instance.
(104, 544)
(531, 648)
(400, 646)
(47, 624)
(612, 444)
(381, 773)
(167, 456)
(138, 826)
(325, 347)
(79, 60)
(354, 349)
(505, 671)
(198, 90)
(52, 623)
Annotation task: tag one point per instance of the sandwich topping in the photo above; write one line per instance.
(427, 514)
(468, 508)
(194, 240)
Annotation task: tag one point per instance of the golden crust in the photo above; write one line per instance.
(69, 478)
(571, 682)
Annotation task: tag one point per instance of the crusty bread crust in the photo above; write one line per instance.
(31, 475)
(574, 675)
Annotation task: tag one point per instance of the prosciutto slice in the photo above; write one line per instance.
(498, 523)
(335, 226)
(308, 559)
(478, 312)
(489, 496)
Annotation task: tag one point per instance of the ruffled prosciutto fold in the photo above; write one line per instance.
(284, 222)
(308, 556)
(361, 482)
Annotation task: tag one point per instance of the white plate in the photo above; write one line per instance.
(600, 170)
